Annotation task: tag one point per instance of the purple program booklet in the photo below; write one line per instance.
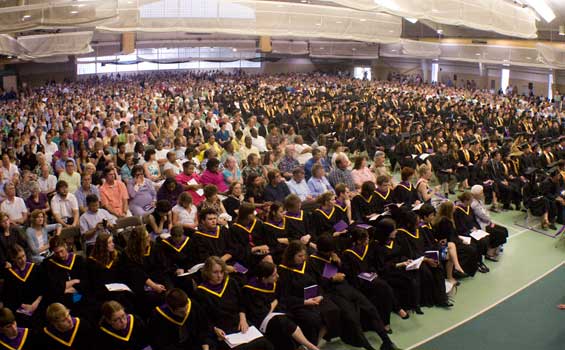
(240, 268)
(364, 226)
(340, 226)
(330, 270)
(311, 292)
(432, 254)
(367, 276)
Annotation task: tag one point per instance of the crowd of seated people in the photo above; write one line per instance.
(272, 202)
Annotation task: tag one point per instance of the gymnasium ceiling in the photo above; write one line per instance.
(479, 30)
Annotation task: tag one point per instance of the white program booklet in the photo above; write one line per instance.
(415, 264)
(236, 339)
(265, 323)
(117, 287)
(192, 270)
(479, 234)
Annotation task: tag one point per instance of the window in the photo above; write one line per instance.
(362, 73)
(162, 57)
(505, 79)
(435, 72)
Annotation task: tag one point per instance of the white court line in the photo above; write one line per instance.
(485, 309)
(519, 233)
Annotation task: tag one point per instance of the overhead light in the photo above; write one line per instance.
(478, 54)
(353, 49)
(506, 64)
(303, 1)
(26, 17)
(318, 24)
(73, 12)
(363, 19)
(562, 29)
(411, 20)
(338, 22)
(391, 31)
(440, 31)
(9, 57)
(543, 9)
(392, 50)
(435, 10)
(234, 49)
(321, 48)
(528, 58)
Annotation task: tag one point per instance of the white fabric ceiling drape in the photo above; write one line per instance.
(42, 46)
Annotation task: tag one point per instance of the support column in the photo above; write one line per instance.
(425, 71)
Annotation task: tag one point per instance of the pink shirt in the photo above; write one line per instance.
(210, 178)
(362, 175)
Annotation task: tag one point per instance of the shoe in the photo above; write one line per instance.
(389, 331)
(482, 264)
(494, 210)
(446, 304)
(446, 195)
(451, 192)
(459, 275)
(406, 315)
(552, 226)
(418, 311)
(389, 346)
(491, 258)
(518, 207)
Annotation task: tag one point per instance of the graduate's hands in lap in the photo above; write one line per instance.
(313, 301)
(220, 333)
(338, 277)
(230, 269)
(159, 288)
(179, 272)
(431, 262)
(243, 326)
(305, 239)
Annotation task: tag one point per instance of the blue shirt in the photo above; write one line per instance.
(300, 189)
(319, 186)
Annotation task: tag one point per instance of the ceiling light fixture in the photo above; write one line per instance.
(440, 31)
(73, 12)
(411, 20)
(541, 7)
(363, 19)
(26, 17)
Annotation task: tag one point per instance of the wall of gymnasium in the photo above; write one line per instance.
(461, 72)
(38, 73)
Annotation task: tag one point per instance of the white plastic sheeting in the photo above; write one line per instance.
(40, 46)
(265, 18)
(499, 16)
(328, 49)
(542, 55)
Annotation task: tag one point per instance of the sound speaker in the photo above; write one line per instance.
(128, 43)
(265, 44)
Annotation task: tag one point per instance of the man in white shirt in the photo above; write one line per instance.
(160, 152)
(298, 186)
(14, 206)
(47, 182)
(172, 164)
(94, 220)
(258, 141)
(64, 206)
(50, 148)
(8, 168)
(303, 151)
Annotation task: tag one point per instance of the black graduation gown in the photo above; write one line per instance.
(362, 207)
(272, 231)
(257, 299)
(406, 284)
(176, 256)
(465, 221)
(292, 281)
(168, 331)
(298, 225)
(467, 254)
(378, 291)
(206, 244)
(23, 341)
(223, 305)
(134, 337)
(358, 314)
(442, 163)
(23, 287)
(57, 273)
(432, 280)
(405, 193)
(324, 223)
(80, 337)
(243, 239)
(381, 200)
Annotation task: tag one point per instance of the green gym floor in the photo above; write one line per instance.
(513, 307)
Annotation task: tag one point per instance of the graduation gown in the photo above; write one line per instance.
(406, 284)
(168, 331)
(23, 287)
(467, 254)
(465, 222)
(432, 280)
(208, 243)
(358, 314)
(257, 299)
(355, 261)
(298, 225)
(292, 281)
(272, 231)
(223, 303)
(243, 238)
(174, 255)
(133, 337)
(405, 193)
(362, 207)
(324, 222)
(381, 200)
(80, 337)
(58, 273)
(24, 340)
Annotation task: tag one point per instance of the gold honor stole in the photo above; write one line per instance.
(117, 336)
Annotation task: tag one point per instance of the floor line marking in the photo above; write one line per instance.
(422, 342)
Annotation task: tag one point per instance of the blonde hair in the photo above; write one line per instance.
(445, 210)
(55, 312)
(109, 308)
(209, 266)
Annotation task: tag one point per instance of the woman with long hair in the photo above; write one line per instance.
(444, 230)
(247, 234)
(38, 235)
(185, 213)
(260, 300)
